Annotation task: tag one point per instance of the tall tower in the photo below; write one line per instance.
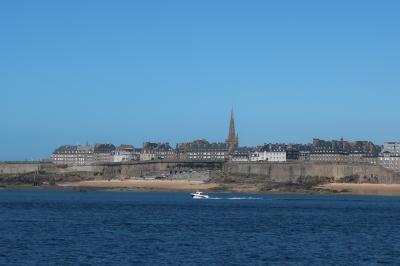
(233, 139)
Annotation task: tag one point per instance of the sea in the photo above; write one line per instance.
(39, 227)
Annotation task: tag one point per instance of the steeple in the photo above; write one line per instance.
(232, 133)
(233, 140)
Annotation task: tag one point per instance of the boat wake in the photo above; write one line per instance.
(236, 198)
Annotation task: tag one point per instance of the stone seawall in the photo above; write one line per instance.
(293, 171)
(17, 168)
(275, 172)
(154, 169)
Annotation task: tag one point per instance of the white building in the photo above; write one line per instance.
(392, 147)
(390, 161)
(276, 156)
(124, 153)
(257, 156)
(390, 156)
(147, 156)
(269, 156)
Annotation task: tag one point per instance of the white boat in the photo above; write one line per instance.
(199, 195)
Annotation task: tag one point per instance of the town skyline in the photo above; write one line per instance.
(228, 134)
(333, 151)
(231, 143)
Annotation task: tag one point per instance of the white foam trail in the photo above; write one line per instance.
(244, 198)
(237, 198)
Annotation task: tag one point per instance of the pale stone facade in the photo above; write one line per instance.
(157, 151)
(124, 153)
(202, 150)
(104, 153)
(390, 156)
(73, 155)
(390, 161)
(392, 147)
(269, 156)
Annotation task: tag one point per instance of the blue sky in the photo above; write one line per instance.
(73, 72)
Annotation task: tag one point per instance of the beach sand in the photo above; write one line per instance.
(193, 185)
(146, 185)
(363, 189)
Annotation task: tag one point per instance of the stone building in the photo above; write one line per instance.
(391, 147)
(124, 153)
(268, 156)
(240, 155)
(73, 155)
(343, 151)
(390, 156)
(367, 148)
(157, 151)
(328, 156)
(136, 154)
(304, 155)
(104, 152)
(202, 150)
(390, 161)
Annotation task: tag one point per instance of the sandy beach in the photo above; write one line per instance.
(193, 185)
(186, 185)
(364, 189)
(134, 184)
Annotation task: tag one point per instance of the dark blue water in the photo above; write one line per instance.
(128, 228)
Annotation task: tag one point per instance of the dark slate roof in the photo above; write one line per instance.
(66, 148)
(104, 148)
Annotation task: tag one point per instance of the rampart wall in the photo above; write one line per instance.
(275, 172)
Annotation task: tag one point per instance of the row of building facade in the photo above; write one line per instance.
(88, 154)
(201, 150)
(387, 155)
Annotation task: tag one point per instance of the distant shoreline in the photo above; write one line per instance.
(190, 186)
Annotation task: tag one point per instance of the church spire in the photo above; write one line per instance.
(232, 141)
(232, 132)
